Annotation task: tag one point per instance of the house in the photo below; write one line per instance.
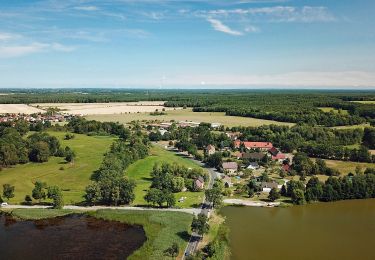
(227, 181)
(253, 156)
(230, 167)
(233, 135)
(273, 151)
(279, 157)
(264, 146)
(237, 155)
(215, 125)
(286, 168)
(199, 183)
(210, 149)
(253, 166)
(267, 186)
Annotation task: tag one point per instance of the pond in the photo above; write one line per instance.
(69, 237)
(339, 230)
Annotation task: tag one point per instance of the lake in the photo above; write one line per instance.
(338, 230)
(70, 237)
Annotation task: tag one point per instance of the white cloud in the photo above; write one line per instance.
(219, 26)
(18, 50)
(88, 8)
(305, 14)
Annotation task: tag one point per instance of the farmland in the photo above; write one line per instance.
(105, 108)
(188, 115)
(18, 108)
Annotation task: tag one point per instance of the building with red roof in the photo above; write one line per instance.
(265, 146)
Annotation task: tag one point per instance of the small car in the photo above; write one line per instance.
(4, 204)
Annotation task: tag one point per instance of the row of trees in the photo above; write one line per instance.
(38, 147)
(360, 186)
(40, 192)
(110, 187)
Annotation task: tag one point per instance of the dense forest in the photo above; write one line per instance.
(300, 106)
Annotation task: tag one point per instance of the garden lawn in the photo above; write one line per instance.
(140, 171)
(72, 179)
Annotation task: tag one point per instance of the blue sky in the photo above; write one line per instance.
(196, 43)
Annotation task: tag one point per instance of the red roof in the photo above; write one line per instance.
(254, 145)
(286, 167)
(279, 156)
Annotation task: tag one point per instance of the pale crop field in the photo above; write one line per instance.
(106, 108)
(19, 109)
(188, 115)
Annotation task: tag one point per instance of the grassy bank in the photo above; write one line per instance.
(162, 229)
(188, 115)
(72, 179)
(140, 171)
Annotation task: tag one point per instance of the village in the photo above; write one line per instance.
(242, 161)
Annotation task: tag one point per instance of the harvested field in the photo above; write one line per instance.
(107, 108)
(18, 109)
(189, 115)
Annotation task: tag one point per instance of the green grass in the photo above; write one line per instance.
(188, 115)
(162, 229)
(332, 109)
(73, 179)
(362, 126)
(31, 214)
(346, 167)
(140, 172)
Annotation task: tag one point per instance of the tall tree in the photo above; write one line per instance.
(8, 191)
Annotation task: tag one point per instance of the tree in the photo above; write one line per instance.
(39, 152)
(298, 197)
(69, 155)
(215, 160)
(38, 192)
(28, 200)
(172, 251)
(283, 191)
(54, 193)
(170, 199)
(214, 196)
(154, 196)
(93, 193)
(274, 194)
(200, 225)
(8, 191)
(178, 184)
(314, 189)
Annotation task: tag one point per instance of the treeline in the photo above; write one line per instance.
(38, 147)
(110, 187)
(360, 186)
(318, 142)
(92, 127)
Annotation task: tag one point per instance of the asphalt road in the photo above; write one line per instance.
(206, 206)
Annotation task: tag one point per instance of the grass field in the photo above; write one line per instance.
(140, 172)
(188, 115)
(346, 167)
(162, 228)
(365, 102)
(73, 179)
(362, 126)
(332, 109)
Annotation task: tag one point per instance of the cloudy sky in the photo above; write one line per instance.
(192, 43)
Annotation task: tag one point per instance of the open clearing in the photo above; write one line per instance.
(19, 109)
(346, 167)
(72, 180)
(332, 109)
(188, 115)
(365, 102)
(140, 172)
(106, 108)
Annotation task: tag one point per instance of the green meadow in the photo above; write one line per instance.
(140, 171)
(71, 178)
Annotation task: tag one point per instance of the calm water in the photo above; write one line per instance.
(339, 230)
(72, 237)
